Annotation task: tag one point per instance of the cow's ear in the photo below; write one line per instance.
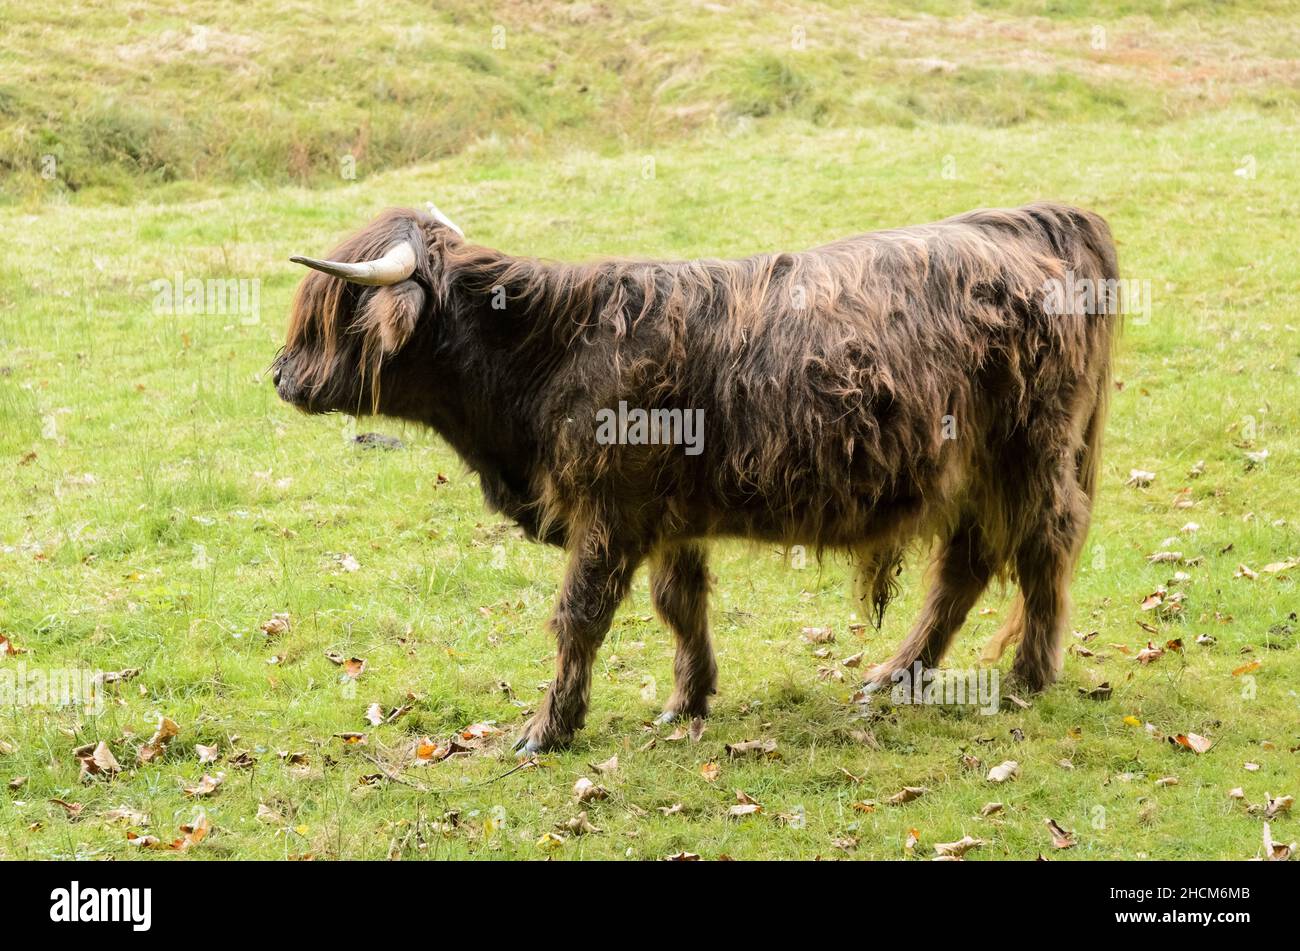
(392, 313)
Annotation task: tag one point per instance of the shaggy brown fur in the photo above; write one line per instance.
(897, 386)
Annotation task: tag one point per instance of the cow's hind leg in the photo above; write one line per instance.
(961, 571)
(1044, 563)
(679, 587)
(600, 570)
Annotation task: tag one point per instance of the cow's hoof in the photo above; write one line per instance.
(672, 715)
(524, 747)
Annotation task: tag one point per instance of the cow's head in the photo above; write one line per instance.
(356, 314)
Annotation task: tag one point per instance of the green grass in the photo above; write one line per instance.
(159, 503)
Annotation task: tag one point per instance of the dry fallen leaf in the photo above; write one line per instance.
(126, 814)
(959, 848)
(609, 766)
(276, 625)
(1100, 692)
(1276, 851)
(906, 794)
(711, 772)
(97, 760)
(757, 747)
(207, 754)
(163, 734)
(1007, 769)
(818, 635)
(1275, 807)
(584, 790)
(990, 808)
(1191, 741)
(73, 809)
(1061, 838)
(206, 786)
(1140, 478)
(579, 825)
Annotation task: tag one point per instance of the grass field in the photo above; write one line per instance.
(159, 503)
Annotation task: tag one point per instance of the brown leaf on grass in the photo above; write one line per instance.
(17, 783)
(682, 857)
(116, 676)
(912, 841)
(207, 754)
(1140, 478)
(818, 635)
(205, 786)
(1276, 851)
(1165, 557)
(580, 825)
(1249, 668)
(266, 814)
(97, 760)
(742, 809)
(1275, 567)
(351, 738)
(761, 748)
(990, 808)
(1061, 838)
(853, 661)
(276, 625)
(1167, 781)
(1244, 572)
(906, 794)
(73, 809)
(162, 735)
(8, 648)
(696, 732)
(846, 843)
(1237, 793)
(584, 790)
(675, 809)
(353, 667)
(1149, 654)
(1191, 741)
(959, 848)
(609, 766)
(126, 814)
(1007, 769)
(242, 760)
(374, 714)
(1276, 807)
(192, 833)
(479, 731)
(711, 772)
(1100, 692)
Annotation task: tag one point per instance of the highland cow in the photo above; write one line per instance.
(910, 385)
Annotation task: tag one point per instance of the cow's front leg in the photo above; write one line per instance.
(600, 570)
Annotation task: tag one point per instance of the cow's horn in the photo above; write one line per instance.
(397, 264)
